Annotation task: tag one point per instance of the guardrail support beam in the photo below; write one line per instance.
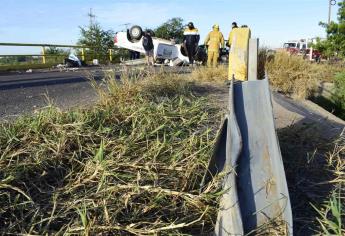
(43, 55)
(253, 59)
(83, 54)
(110, 55)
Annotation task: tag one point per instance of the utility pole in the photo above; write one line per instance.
(331, 3)
(92, 17)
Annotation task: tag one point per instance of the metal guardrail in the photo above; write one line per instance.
(247, 154)
(44, 55)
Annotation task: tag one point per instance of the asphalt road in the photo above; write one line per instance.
(24, 93)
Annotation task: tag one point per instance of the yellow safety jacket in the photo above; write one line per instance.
(238, 57)
(231, 36)
(214, 40)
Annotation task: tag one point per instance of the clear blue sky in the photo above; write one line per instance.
(57, 21)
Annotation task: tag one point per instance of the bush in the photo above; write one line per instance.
(339, 95)
(292, 75)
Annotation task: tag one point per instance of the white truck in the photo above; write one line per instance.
(165, 51)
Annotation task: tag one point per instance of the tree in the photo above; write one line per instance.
(55, 51)
(334, 45)
(99, 41)
(173, 28)
(55, 54)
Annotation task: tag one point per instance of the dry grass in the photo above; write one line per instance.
(292, 75)
(207, 74)
(131, 165)
(295, 76)
(327, 72)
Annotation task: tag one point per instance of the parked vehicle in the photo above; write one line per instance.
(301, 48)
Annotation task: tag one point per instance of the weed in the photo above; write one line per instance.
(331, 216)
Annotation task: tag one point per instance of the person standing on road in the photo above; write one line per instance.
(191, 39)
(213, 42)
(148, 46)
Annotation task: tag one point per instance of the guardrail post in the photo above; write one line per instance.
(43, 55)
(253, 59)
(82, 54)
(110, 55)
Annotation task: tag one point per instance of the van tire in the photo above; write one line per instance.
(135, 32)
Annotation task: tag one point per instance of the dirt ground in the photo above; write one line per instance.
(306, 134)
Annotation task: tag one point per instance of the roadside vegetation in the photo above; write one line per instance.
(217, 75)
(301, 79)
(292, 75)
(315, 170)
(132, 164)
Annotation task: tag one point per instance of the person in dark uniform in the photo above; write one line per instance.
(191, 39)
(149, 47)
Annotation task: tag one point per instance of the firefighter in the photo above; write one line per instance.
(191, 39)
(238, 56)
(234, 26)
(213, 42)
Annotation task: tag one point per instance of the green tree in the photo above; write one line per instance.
(55, 51)
(334, 45)
(99, 41)
(325, 47)
(173, 28)
(56, 55)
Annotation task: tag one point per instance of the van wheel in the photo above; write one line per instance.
(136, 32)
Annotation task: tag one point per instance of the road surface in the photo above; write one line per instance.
(27, 92)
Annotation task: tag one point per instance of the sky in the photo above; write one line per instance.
(58, 21)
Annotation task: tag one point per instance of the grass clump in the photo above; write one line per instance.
(210, 74)
(292, 75)
(339, 93)
(131, 165)
(327, 72)
(331, 215)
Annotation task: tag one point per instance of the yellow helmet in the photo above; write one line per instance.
(215, 26)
